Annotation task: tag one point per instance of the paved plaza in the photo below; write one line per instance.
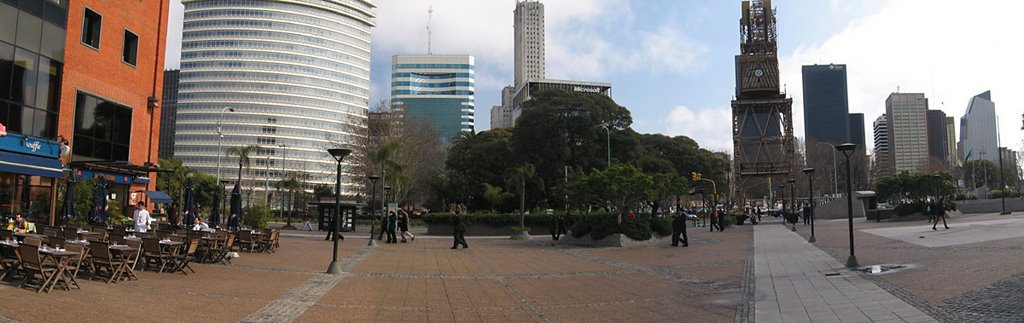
(762, 273)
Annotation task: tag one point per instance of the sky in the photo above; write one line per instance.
(670, 62)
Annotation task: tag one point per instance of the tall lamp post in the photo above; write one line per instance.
(1002, 182)
(338, 154)
(782, 200)
(810, 199)
(847, 149)
(220, 152)
(284, 155)
(792, 200)
(835, 176)
(373, 207)
(608, 138)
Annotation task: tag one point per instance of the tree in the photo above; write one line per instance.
(323, 190)
(474, 160)
(495, 195)
(981, 173)
(518, 178)
(663, 187)
(558, 129)
(243, 153)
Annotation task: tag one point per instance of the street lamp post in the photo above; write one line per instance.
(338, 154)
(835, 176)
(782, 200)
(373, 207)
(220, 151)
(810, 199)
(608, 136)
(848, 150)
(1002, 182)
(792, 200)
(284, 155)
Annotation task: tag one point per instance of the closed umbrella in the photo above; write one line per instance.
(190, 209)
(215, 215)
(67, 211)
(99, 205)
(236, 205)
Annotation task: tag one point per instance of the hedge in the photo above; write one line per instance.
(597, 225)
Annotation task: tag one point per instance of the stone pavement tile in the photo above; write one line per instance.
(518, 261)
(601, 289)
(299, 254)
(421, 259)
(338, 314)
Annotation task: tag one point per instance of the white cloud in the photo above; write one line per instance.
(710, 127)
(949, 52)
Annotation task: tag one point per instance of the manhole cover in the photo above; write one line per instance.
(878, 269)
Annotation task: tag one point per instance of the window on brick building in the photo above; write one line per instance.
(91, 24)
(130, 51)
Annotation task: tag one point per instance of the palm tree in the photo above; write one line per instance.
(494, 195)
(518, 177)
(384, 155)
(291, 185)
(243, 153)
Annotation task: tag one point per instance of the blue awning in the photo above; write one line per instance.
(30, 165)
(158, 197)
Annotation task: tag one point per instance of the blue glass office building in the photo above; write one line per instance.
(436, 89)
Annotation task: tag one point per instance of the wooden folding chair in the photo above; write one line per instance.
(154, 254)
(101, 259)
(33, 265)
(75, 263)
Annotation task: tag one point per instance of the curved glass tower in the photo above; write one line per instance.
(290, 76)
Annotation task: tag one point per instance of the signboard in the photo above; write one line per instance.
(110, 178)
(18, 143)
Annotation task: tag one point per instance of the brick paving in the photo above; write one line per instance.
(496, 280)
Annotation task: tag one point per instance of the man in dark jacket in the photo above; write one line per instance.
(460, 232)
(330, 229)
(559, 226)
(679, 227)
(940, 212)
(392, 222)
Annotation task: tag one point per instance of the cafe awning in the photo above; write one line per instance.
(158, 197)
(30, 165)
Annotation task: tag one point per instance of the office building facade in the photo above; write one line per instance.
(826, 104)
(435, 89)
(906, 119)
(938, 154)
(526, 91)
(528, 29)
(292, 77)
(882, 161)
(167, 113)
(978, 129)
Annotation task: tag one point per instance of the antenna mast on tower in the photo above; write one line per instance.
(430, 13)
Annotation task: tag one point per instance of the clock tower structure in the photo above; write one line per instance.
(762, 115)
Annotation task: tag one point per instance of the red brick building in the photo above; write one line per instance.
(109, 101)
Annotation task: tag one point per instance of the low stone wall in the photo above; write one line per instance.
(445, 229)
(616, 240)
(1014, 204)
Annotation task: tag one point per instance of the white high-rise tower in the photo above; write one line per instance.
(529, 41)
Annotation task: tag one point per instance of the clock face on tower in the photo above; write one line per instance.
(758, 74)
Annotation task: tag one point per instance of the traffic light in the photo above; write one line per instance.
(695, 176)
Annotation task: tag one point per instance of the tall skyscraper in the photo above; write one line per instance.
(954, 154)
(857, 130)
(978, 129)
(436, 89)
(826, 105)
(529, 41)
(167, 114)
(908, 131)
(938, 155)
(501, 115)
(882, 159)
(290, 76)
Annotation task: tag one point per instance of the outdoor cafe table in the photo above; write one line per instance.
(126, 271)
(64, 274)
(21, 236)
(85, 235)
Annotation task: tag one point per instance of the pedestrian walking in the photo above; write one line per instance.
(459, 230)
(392, 222)
(679, 227)
(330, 229)
(559, 226)
(306, 226)
(940, 213)
(716, 221)
(807, 215)
(403, 225)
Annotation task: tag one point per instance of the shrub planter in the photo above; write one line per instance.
(445, 229)
(616, 240)
(520, 235)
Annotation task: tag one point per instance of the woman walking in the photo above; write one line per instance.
(460, 229)
(403, 224)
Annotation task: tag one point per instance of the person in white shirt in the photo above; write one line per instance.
(199, 225)
(141, 218)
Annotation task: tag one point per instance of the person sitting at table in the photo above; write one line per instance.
(199, 225)
(19, 224)
(141, 218)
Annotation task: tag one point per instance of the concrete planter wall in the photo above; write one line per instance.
(445, 229)
(616, 240)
